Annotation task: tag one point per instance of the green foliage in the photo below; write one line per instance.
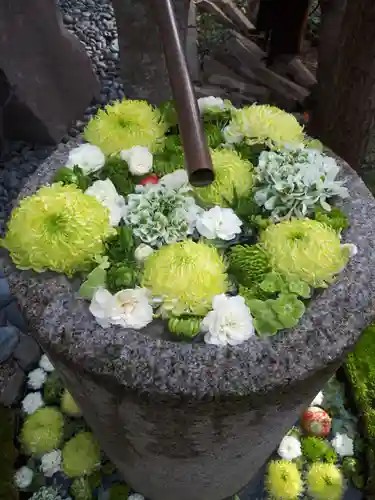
(72, 176)
(360, 368)
(245, 207)
(316, 449)
(53, 389)
(122, 275)
(213, 135)
(69, 406)
(119, 491)
(274, 282)
(8, 455)
(108, 468)
(121, 247)
(94, 280)
(248, 264)
(353, 470)
(95, 479)
(184, 327)
(81, 455)
(81, 489)
(117, 170)
(336, 219)
(169, 114)
(42, 431)
(325, 482)
(255, 292)
(250, 152)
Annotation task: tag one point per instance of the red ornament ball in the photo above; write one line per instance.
(316, 422)
(150, 179)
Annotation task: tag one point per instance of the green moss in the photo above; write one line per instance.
(8, 455)
(360, 368)
(53, 389)
(119, 491)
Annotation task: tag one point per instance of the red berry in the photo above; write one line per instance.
(151, 179)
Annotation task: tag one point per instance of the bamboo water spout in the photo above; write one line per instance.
(197, 157)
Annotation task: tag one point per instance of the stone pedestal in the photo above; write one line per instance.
(46, 78)
(141, 54)
(192, 421)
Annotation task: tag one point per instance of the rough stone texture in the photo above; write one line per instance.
(211, 415)
(27, 352)
(48, 69)
(141, 55)
(12, 380)
(9, 338)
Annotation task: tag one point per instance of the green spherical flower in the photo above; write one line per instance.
(306, 249)
(325, 482)
(69, 406)
(233, 177)
(58, 228)
(81, 455)
(265, 124)
(315, 449)
(283, 481)
(42, 431)
(125, 124)
(248, 264)
(186, 276)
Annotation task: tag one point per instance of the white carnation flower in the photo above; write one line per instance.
(127, 308)
(139, 159)
(290, 448)
(318, 400)
(343, 445)
(23, 477)
(105, 192)
(136, 496)
(50, 463)
(210, 103)
(32, 402)
(46, 364)
(143, 252)
(36, 378)
(176, 180)
(230, 321)
(220, 223)
(87, 157)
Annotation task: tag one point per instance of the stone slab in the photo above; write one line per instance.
(48, 69)
(27, 353)
(12, 380)
(211, 415)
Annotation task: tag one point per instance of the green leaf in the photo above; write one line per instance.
(94, 280)
(169, 113)
(72, 176)
(272, 283)
(299, 288)
(288, 309)
(267, 325)
(122, 246)
(257, 307)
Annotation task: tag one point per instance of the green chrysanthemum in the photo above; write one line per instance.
(265, 124)
(248, 264)
(81, 455)
(306, 249)
(186, 276)
(42, 431)
(283, 481)
(315, 449)
(125, 124)
(58, 228)
(233, 177)
(325, 482)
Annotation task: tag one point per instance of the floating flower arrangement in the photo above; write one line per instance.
(221, 263)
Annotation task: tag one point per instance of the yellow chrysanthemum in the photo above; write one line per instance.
(59, 228)
(266, 124)
(283, 480)
(233, 175)
(125, 124)
(186, 276)
(325, 482)
(305, 248)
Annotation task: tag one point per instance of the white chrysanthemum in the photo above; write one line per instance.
(36, 378)
(290, 448)
(221, 223)
(87, 157)
(210, 103)
(46, 364)
(32, 402)
(136, 496)
(139, 160)
(105, 192)
(142, 252)
(230, 321)
(318, 400)
(232, 135)
(23, 477)
(343, 445)
(128, 308)
(50, 463)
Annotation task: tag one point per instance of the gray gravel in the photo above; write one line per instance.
(93, 22)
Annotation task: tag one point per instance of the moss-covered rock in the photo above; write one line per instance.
(8, 454)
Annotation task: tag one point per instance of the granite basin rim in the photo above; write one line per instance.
(331, 325)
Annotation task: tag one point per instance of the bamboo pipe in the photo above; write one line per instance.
(198, 161)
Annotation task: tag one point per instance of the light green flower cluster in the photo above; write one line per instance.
(48, 493)
(81, 455)
(125, 124)
(59, 228)
(42, 431)
(185, 276)
(306, 249)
